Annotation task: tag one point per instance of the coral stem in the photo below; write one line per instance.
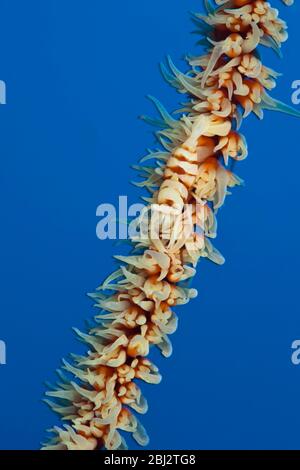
(99, 394)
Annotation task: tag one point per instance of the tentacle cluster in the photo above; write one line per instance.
(98, 394)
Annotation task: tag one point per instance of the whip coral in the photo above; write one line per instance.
(99, 393)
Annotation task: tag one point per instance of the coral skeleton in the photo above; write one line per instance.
(98, 395)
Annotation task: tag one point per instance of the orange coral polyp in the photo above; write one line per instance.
(241, 3)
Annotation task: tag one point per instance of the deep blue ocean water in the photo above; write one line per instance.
(77, 74)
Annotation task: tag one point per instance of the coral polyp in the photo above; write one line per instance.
(98, 395)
